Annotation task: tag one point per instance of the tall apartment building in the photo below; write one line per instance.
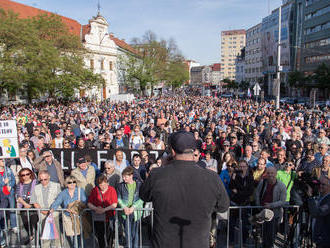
(315, 34)
(232, 41)
(253, 55)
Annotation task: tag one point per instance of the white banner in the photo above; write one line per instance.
(8, 139)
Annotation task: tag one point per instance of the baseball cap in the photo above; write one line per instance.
(182, 142)
(81, 160)
(57, 131)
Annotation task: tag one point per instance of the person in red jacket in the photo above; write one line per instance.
(102, 201)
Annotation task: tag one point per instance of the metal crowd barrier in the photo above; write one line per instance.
(250, 211)
(118, 230)
(16, 239)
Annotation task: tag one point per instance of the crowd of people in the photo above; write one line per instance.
(259, 152)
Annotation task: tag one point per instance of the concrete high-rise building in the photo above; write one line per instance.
(253, 56)
(315, 35)
(232, 41)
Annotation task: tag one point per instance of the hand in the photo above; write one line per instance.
(309, 191)
(45, 212)
(131, 210)
(20, 200)
(6, 180)
(300, 173)
(127, 211)
(234, 176)
(99, 210)
(51, 211)
(9, 188)
(234, 191)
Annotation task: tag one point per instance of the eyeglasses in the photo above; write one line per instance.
(42, 180)
(23, 175)
(47, 156)
(71, 182)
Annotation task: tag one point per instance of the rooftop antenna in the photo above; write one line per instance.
(98, 8)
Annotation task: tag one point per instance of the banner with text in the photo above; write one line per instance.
(68, 157)
(8, 139)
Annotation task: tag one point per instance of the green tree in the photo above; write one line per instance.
(156, 61)
(244, 85)
(39, 55)
(321, 76)
(296, 79)
(230, 84)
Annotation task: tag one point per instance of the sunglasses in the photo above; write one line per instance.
(71, 182)
(23, 175)
(41, 180)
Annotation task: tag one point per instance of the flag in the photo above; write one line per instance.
(249, 93)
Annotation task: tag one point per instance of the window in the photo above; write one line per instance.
(110, 66)
(317, 28)
(318, 43)
(92, 63)
(317, 58)
(102, 64)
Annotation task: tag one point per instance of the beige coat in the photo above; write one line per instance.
(54, 190)
(88, 182)
(40, 164)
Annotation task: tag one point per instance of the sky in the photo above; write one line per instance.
(195, 25)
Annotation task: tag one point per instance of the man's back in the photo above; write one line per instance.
(184, 197)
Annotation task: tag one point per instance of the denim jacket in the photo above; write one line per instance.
(8, 173)
(122, 193)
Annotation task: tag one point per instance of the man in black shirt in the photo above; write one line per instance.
(184, 196)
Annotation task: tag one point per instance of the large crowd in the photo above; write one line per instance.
(244, 141)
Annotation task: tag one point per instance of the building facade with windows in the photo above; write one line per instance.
(102, 48)
(240, 63)
(253, 55)
(315, 41)
(232, 41)
(101, 57)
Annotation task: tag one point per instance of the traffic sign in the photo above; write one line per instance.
(256, 89)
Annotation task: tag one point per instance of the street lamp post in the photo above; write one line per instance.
(279, 69)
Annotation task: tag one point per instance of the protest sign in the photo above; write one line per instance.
(68, 157)
(8, 139)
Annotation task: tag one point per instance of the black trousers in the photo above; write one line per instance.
(30, 221)
(269, 231)
(104, 232)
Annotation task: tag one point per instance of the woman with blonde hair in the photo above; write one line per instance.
(71, 198)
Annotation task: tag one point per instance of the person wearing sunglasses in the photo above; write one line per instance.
(23, 192)
(47, 162)
(70, 196)
(43, 195)
(111, 173)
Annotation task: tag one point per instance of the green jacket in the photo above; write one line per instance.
(288, 180)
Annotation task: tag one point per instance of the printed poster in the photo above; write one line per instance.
(8, 139)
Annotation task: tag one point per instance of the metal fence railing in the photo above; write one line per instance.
(30, 223)
(234, 228)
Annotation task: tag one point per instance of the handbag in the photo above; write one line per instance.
(50, 231)
(96, 216)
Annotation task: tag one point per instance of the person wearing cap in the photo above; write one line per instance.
(235, 147)
(184, 196)
(322, 138)
(85, 175)
(57, 142)
(47, 162)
